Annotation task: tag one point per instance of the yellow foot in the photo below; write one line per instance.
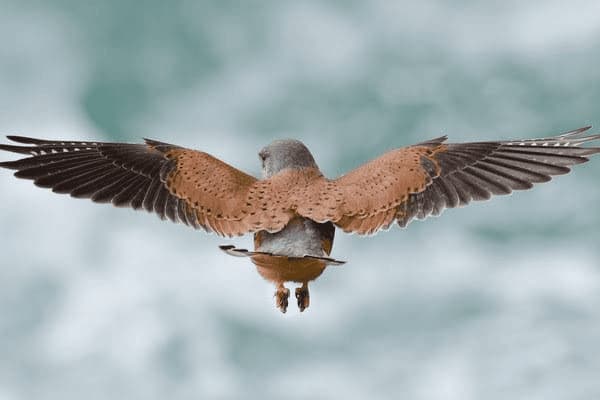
(281, 298)
(303, 297)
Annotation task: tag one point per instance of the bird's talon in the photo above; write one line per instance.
(281, 298)
(303, 298)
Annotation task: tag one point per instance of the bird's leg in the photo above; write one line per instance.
(281, 297)
(303, 296)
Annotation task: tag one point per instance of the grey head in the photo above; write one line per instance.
(282, 154)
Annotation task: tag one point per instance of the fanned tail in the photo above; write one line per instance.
(234, 251)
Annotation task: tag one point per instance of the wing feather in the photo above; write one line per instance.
(178, 184)
(476, 171)
(122, 174)
(424, 179)
(201, 191)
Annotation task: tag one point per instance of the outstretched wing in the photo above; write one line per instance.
(426, 178)
(201, 191)
(139, 176)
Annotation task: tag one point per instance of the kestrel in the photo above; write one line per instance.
(293, 211)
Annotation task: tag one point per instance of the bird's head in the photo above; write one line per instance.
(282, 154)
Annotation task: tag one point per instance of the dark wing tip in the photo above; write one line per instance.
(25, 140)
(6, 164)
(16, 149)
(570, 139)
(575, 132)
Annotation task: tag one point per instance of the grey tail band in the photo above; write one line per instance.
(233, 251)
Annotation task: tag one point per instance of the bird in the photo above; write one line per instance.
(293, 210)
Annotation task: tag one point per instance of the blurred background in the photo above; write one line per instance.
(501, 300)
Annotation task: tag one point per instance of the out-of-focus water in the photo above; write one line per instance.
(500, 300)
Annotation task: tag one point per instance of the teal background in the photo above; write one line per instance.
(498, 301)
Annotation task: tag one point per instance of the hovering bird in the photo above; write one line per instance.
(293, 211)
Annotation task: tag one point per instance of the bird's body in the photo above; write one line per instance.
(285, 259)
(294, 209)
(298, 252)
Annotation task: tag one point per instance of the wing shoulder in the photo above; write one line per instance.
(373, 192)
